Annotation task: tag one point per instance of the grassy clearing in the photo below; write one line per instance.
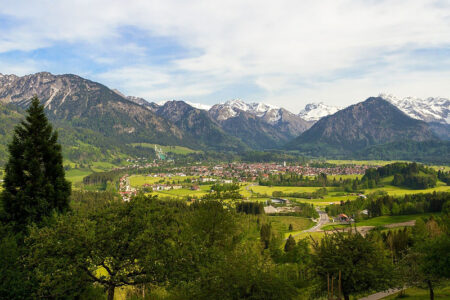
(399, 191)
(285, 189)
(76, 175)
(417, 293)
(167, 149)
(362, 162)
(382, 221)
(317, 236)
(140, 180)
(281, 224)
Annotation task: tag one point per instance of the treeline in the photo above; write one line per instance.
(254, 208)
(381, 204)
(444, 176)
(102, 178)
(408, 204)
(410, 175)
(224, 191)
(350, 208)
(294, 179)
(305, 195)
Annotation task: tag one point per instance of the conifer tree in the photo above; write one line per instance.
(290, 244)
(34, 182)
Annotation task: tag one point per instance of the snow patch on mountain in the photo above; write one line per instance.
(432, 109)
(231, 108)
(316, 111)
(193, 104)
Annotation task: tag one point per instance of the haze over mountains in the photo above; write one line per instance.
(92, 116)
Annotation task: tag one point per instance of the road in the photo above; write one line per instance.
(323, 219)
(381, 295)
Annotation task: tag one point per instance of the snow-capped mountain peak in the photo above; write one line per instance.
(193, 104)
(432, 109)
(315, 111)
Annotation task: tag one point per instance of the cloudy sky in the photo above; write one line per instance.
(286, 53)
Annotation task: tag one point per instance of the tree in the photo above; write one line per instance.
(427, 262)
(124, 243)
(290, 244)
(362, 262)
(34, 182)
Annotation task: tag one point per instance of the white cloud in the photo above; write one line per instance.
(296, 51)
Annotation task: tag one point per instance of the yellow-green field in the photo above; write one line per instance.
(362, 162)
(382, 221)
(76, 175)
(183, 193)
(281, 224)
(140, 180)
(167, 149)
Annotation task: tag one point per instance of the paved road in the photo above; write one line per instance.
(323, 219)
(381, 295)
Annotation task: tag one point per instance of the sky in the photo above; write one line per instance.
(285, 53)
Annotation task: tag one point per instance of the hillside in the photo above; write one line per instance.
(259, 125)
(357, 127)
(90, 105)
(199, 126)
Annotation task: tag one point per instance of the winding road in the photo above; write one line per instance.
(323, 219)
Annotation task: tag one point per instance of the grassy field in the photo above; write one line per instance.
(281, 224)
(140, 180)
(167, 149)
(362, 162)
(76, 175)
(419, 294)
(381, 221)
(183, 193)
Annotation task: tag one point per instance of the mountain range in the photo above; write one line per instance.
(97, 122)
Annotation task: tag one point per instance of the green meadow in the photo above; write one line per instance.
(167, 149)
(281, 224)
(381, 221)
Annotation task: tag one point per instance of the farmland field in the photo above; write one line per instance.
(383, 220)
(281, 224)
(167, 149)
(140, 180)
(76, 175)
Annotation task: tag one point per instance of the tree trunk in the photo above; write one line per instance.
(111, 290)
(430, 286)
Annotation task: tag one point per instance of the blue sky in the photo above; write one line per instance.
(286, 53)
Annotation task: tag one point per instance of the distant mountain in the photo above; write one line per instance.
(259, 125)
(435, 110)
(90, 105)
(372, 122)
(193, 104)
(315, 111)
(199, 126)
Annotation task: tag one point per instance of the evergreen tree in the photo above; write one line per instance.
(290, 244)
(34, 182)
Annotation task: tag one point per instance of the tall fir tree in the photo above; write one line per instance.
(34, 182)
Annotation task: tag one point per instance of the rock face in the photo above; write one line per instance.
(199, 126)
(260, 125)
(89, 105)
(374, 121)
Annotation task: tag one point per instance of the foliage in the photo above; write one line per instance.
(255, 208)
(408, 204)
(34, 183)
(362, 262)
